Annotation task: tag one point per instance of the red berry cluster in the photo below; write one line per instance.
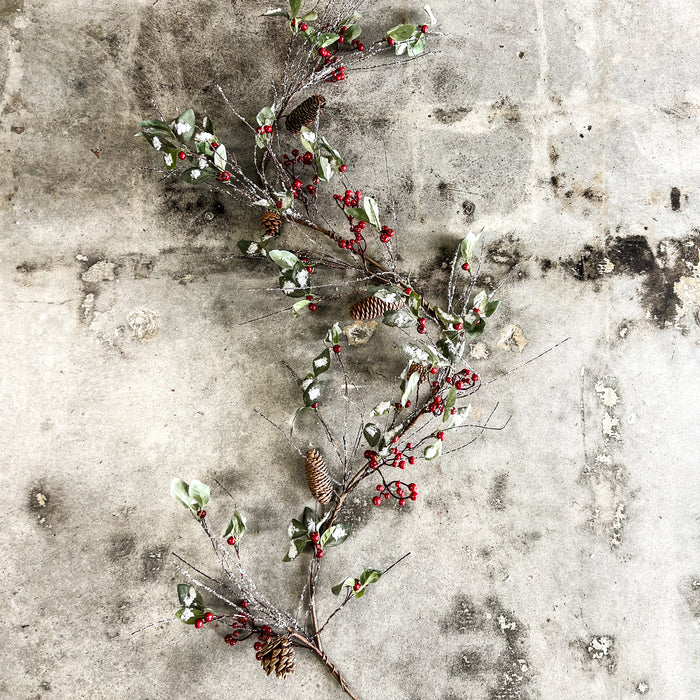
(421, 328)
(465, 379)
(328, 60)
(352, 199)
(263, 637)
(396, 489)
(267, 129)
(290, 165)
(387, 234)
(318, 551)
(240, 626)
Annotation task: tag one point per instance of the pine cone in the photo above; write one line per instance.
(305, 114)
(318, 477)
(372, 307)
(278, 655)
(271, 221)
(423, 371)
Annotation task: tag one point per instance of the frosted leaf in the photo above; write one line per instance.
(187, 614)
(306, 383)
(311, 526)
(321, 362)
(168, 157)
(252, 249)
(156, 143)
(314, 393)
(201, 136)
(302, 277)
(288, 287)
(190, 597)
(338, 532)
(381, 409)
(194, 174)
(202, 163)
(181, 128)
(310, 136)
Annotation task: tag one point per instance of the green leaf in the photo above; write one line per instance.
(490, 307)
(325, 171)
(333, 335)
(297, 529)
(448, 344)
(353, 31)
(400, 318)
(447, 319)
(251, 249)
(401, 32)
(359, 214)
(170, 159)
(236, 526)
(324, 40)
(411, 384)
(195, 176)
(283, 259)
(381, 409)
(372, 434)
(337, 534)
(327, 147)
(476, 329)
(265, 116)
(449, 403)
(372, 211)
(179, 490)
(155, 127)
(296, 547)
(466, 247)
(299, 305)
(348, 583)
(414, 303)
(387, 293)
(184, 126)
(309, 518)
(189, 596)
(417, 46)
(294, 6)
(312, 393)
(279, 12)
(308, 139)
(322, 363)
(433, 450)
(220, 157)
(189, 615)
(199, 493)
(207, 124)
(369, 576)
(309, 17)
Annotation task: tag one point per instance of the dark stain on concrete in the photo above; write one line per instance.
(504, 251)
(152, 562)
(468, 207)
(469, 663)
(465, 615)
(121, 546)
(450, 116)
(505, 110)
(498, 491)
(675, 199)
(8, 8)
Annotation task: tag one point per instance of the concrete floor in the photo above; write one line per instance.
(555, 559)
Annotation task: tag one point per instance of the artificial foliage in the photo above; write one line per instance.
(300, 182)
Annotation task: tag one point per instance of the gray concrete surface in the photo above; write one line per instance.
(555, 559)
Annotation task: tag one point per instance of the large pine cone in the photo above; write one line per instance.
(271, 222)
(318, 477)
(372, 307)
(305, 114)
(278, 655)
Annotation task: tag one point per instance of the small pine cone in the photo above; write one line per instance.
(271, 221)
(318, 477)
(423, 371)
(305, 114)
(278, 655)
(371, 307)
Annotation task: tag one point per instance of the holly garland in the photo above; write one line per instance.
(430, 400)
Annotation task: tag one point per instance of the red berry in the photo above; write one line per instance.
(258, 657)
(424, 29)
(208, 617)
(408, 290)
(440, 435)
(230, 540)
(414, 496)
(476, 311)
(466, 266)
(268, 129)
(303, 26)
(390, 41)
(408, 404)
(422, 321)
(314, 536)
(214, 145)
(319, 553)
(257, 646)
(182, 155)
(202, 514)
(376, 500)
(369, 454)
(244, 603)
(475, 378)
(395, 439)
(225, 176)
(343, 168)
(387, 495)
(380, 487)
(314, 405)
(341, 39)
(458, 326)
(337, 349)
(312, 307)
(199, 624)
(360, 47)
(412, 487)
(453, 410)
(280, 204)
(433, 370)
(402, 464)
(357, 585)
